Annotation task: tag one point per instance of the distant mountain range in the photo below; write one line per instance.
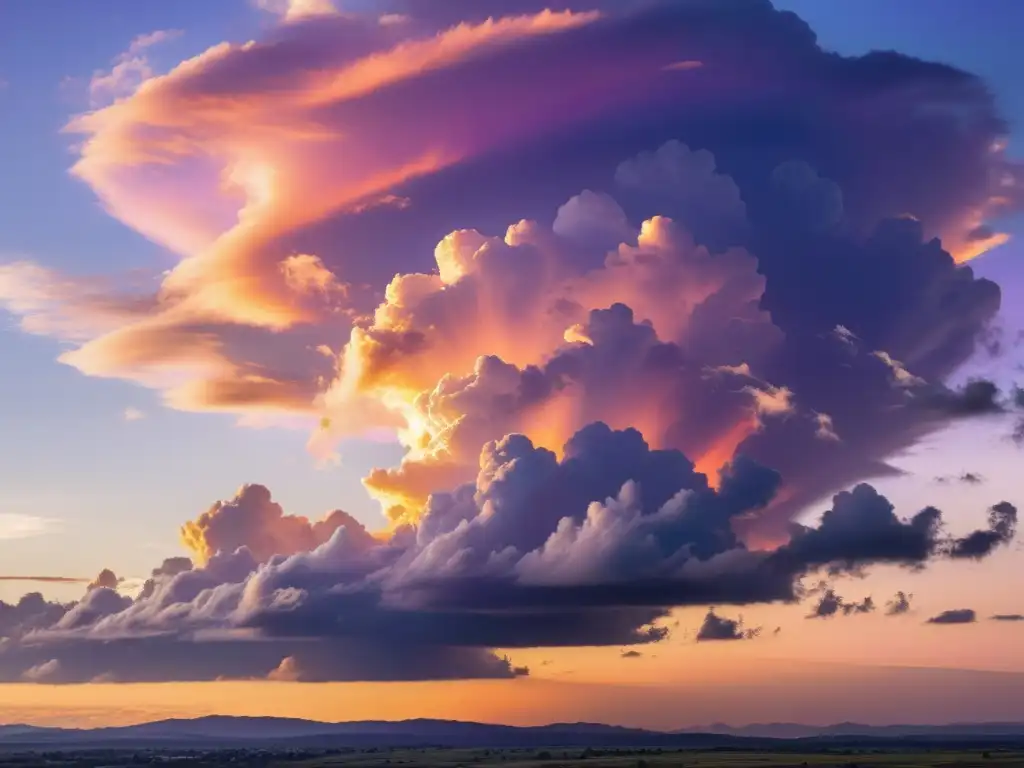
(227, 732)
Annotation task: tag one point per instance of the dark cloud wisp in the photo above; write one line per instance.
(954, 616)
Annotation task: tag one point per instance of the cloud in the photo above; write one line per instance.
(133, 414)
(1002, 526)
(592, 546)
(621, 364)
(253, 521)
(862, 528)
(226, 160)
(297, 10)
(168, 569)
(968, 478)
(593, 313)
(30, 612)
(830, 604)
(68, 307)
(717, 627)
(955, 616)
(17, 526)
(899, 604)
(129, 71)
(106, 579)
(1008, 617)
(631, 654)
(42, 672)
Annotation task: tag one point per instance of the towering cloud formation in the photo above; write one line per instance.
(234, 161)
(633, 284)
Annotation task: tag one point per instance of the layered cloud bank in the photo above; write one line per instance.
(633, 284)
(592, 548)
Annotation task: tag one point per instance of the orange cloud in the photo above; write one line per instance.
(217, 161)
(253, 520)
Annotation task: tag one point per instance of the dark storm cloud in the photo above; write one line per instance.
(954, 616)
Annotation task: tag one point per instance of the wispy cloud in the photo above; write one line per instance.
(133, 414)
(130, 69)
(14, 526)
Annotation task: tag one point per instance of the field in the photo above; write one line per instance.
(522, 758)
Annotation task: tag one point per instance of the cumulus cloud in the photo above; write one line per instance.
(254, 521)
(954, 616)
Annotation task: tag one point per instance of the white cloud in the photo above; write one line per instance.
(14, 526)
(133, 414)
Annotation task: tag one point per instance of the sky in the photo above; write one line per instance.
(380, 359)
